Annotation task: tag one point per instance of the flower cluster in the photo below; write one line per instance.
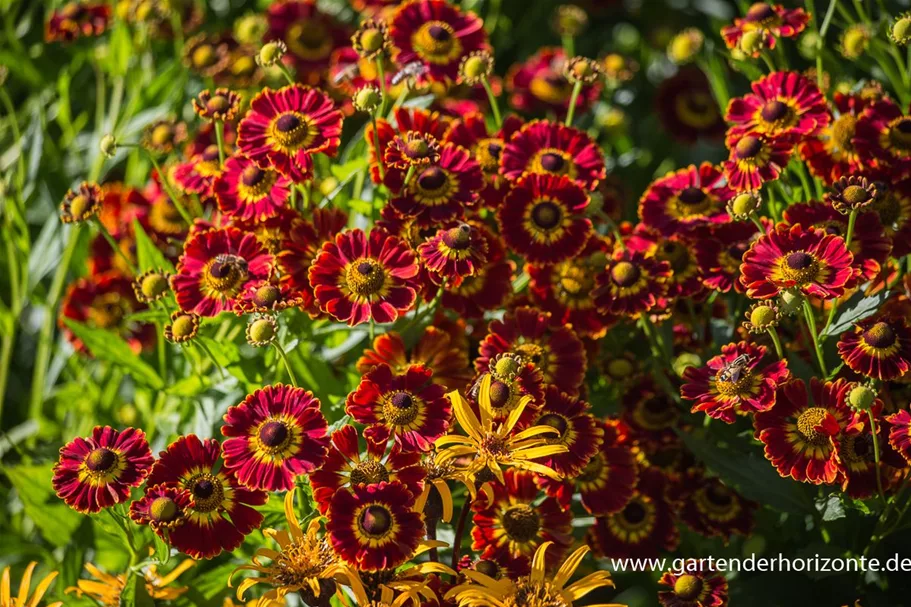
(401, 334)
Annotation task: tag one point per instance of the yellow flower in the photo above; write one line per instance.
(106, 588)
(304, 563)
(533, 590)
(492, 444)
(23, 600)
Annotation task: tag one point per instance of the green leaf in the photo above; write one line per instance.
(344, 171)
(55, 519)
(752, 476)
(148, 316)
(109, 347)
(162, 550)
(148, 255)
(856, 309)
(830, 507)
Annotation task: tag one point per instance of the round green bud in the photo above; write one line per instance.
(861, 398)
(763, 316)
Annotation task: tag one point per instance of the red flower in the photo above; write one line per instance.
(884, 135)
(686, 199)
(782, 104)
(878, 347)
(373, 527)
(538, 85)
(577, 429)
(105, 301)
(98, 471)
(345, 467)
(221, 514)
(856, 454)
(527, 332)
(470, 132)
(302, 243)
(214, 268)
(694, 588)
(77, 19)
(430, 124)
(893, 207)
(250, 193)
(413, 410)
(436, 349)
(441, 190)
(361, 277)
(869, 245)
(550, 148)
(755, 159)
(900, 433)
(488, 287)
(284, 128)
(163, 508)
(564, 289)
(543, 218)
(720, 253)
(631, 283)
(644, 528)
(712, 509)
(437, 35)
(687, 108)
(734, 383)
(798, 433)
(454, 253)
(198, 175)
(309, 34)
(266, 297)
(275, 435)
(832, 154)
(775, 20)
(808, 260)
(509, 527)
(679, 253)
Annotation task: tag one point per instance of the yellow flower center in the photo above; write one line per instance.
(100, 461)
(164, 510)
(369, 472)
(309, 40)
(880, 336)
(625, 274)
(208, 492)
(800, 267)
(183, 326)
(292, 131)
(226, 274)
(688, 587)
(365, 278)
(807, 423)
(400, 408)
(900, 133)
(436, 42)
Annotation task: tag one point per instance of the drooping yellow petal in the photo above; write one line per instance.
(515, 414)
(246, 585)
(431, 567)
(25, 583)
(539, 452)
(465, 415)
(538, 564)
(484, 405)
(445, 497)
(569, 566)
(592, 581)
(176, 572)
(4, 588)
(293, 527)
(539, 468)
(41, 589)
(533, 432)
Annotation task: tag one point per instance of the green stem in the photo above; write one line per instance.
(285, 72)
(166, 184)
(379, 152)
(768, 61)
(372, 329)
(220, 138)
(778, 349)
(811, 327)
(828, 18)
(43, 352)
(407, 179)
(113, 244)
(381, 76)
(852, 218)
(757, 223)
(879, 480)
(569, 46)
(577, 88)
(284, 357)
(199, 344)
(494, 106)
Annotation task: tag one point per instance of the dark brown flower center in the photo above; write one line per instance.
(634, 513)
(554, 421)
(267, 295)
(204, 488)
(439, 33)
(760, 11)
(546, 215)
(218, 103)
(402, 400)
(879, 336)
(488, 568)
(718, 495)
(400, 409)
(748, 147)
(521, 523)
(799, 260)
(432, 178)
(274, 434)
(625, 274)
(855, 194)
(774, 110)
(499, 394)
(286, 123)
(100, 459)
(691, 195)
(376, 520)
(252, 176)
(552, 162)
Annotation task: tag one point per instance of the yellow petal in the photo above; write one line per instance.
(533, 432)
(41, 589)
(175, 573)
(515, 414)
(25, 583)
(465, 415)
(484, 405)
(590, 582)
(569, 567)
(537, 563)
(293, 525)
(445, 497)
(4, 588)
(245, 585)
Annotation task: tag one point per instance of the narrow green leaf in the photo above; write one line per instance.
(109, 347)
(148, 256)
(856, 309)
(54, 519)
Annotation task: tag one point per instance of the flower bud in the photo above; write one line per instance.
(476, 67)
(367, 98)
(184, 327)
(108, 145)
(744, 205)
(685, 46)
(900, 32)
(271, 53)
(261, 331)
(151, 286)
(861, 397)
